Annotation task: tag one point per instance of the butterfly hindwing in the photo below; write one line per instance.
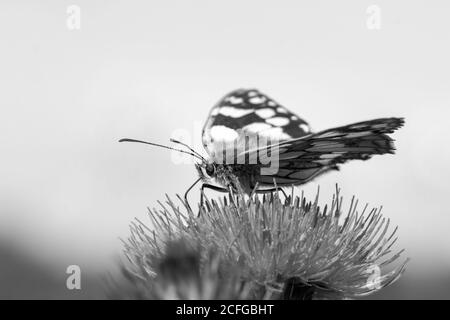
(250, 112)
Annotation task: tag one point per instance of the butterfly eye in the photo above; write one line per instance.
(210, 170)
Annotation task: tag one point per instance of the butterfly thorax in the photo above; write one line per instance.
(234, 176)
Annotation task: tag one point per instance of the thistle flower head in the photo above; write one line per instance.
(263, 248)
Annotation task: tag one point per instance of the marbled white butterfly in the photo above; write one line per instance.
(238, 123)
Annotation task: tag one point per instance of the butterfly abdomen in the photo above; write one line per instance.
(238, 176)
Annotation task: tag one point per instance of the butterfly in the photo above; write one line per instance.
(254, 144)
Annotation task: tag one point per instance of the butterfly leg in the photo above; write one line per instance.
(272, 190)
(212, 187)
(187, 191)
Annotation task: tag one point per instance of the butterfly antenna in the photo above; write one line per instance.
(185, 145)
(163, 146)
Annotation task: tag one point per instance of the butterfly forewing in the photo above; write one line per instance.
(303, 159)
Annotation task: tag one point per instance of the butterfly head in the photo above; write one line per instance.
(207, 170)
(223, 175)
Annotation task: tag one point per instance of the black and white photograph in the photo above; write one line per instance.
(242, 152)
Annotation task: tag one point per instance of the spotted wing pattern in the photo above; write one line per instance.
(250, 112)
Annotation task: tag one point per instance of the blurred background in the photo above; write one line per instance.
(76, 76)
